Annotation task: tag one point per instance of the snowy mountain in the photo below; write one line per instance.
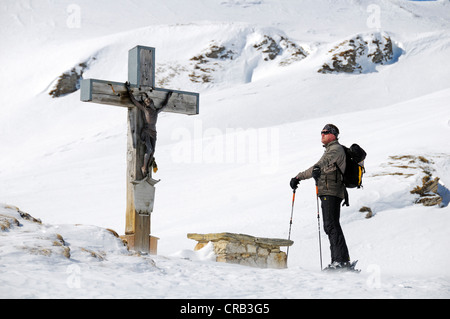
(270, 75)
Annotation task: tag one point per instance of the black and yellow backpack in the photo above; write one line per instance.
(354, 170)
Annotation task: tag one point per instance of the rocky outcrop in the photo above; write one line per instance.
(271, 48)
(359, 54)
(245, 249)
(428, 192)
(219, 56)
(69, 81)
(43, 243)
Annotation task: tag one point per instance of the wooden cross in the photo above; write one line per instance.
(140, 189)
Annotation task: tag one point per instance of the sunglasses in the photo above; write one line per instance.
(325, 132)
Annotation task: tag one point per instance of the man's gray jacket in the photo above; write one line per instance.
(330, 181)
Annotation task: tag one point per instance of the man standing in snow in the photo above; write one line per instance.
(331, 190)
(148, 133)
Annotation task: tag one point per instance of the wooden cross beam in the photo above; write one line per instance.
(115, 93)
(140, 189)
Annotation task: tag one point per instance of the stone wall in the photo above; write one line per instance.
(245, 249)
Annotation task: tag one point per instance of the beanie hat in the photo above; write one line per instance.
(332, 129)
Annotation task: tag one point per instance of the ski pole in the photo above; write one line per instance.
(290, 222)
(316, 174)
(318, 224)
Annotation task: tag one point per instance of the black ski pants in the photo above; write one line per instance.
(331, 211)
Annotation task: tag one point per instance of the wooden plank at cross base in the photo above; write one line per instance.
(152, 243)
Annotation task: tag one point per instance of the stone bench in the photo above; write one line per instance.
(245, 249)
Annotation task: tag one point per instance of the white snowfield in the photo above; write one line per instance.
(262, 106)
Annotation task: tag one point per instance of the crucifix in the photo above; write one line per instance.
(140, 187)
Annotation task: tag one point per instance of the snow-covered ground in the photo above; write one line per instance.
(228, 168)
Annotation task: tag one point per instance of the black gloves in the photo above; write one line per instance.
(294, 183)
(316, 172)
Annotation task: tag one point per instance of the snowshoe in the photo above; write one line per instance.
(342, 267)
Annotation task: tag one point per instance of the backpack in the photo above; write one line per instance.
(354, 171)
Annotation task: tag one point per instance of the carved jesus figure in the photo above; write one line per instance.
(148, 132)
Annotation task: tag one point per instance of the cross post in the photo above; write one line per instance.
(140, 189)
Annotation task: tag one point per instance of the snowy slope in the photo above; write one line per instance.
(63, 161)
